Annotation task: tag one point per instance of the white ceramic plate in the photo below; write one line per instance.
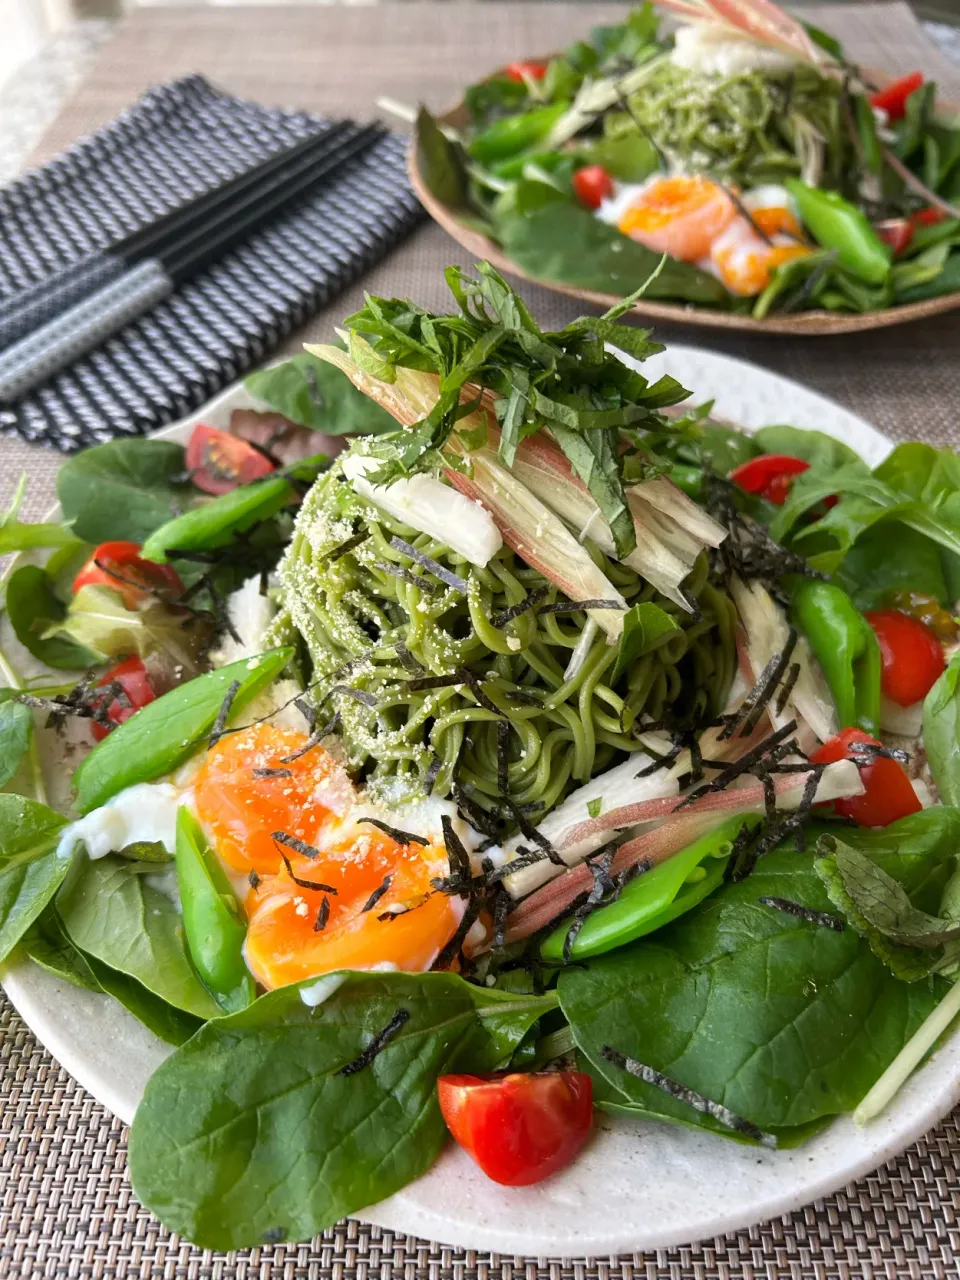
(638, 1185)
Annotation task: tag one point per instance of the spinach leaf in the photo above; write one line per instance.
(561, 242)
(30, 870)
(645, 627)
(941, 732)
(15, 535)
(164, 733)
(908, 468)
(441, 162)
(49, 947)
(781, 1020)
(35, 613)
(116, 914)
(98, 622)
(123, 489)
(294, 1143)
(319, 396)
(946, 281)
(215, 523)
(890, 557)
(16, 728)
(629, 157)
(815, 447)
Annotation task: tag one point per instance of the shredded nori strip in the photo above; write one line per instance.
(525, 858)
(745, 764)
(675, 1089)
(377, 894)
(438, 570)
(221, 612)
(415, 579)
(421, 683)
(358, 695)
(500, 620)
(599, 866)
(314, 740)
(349, 545)
(401, 837)
(580, 606)
(216, 733)
(407, 660)
(254, 880)
(522, 698)
(323, 915)
(786, 688)
(295, 843)
(661, 762)
(472, 682)
(376, 1045)
(747, 716)
(305, 884)
(474, 813)
(503, 757)
(877, 751)
(272, 773)
(309, 713)
(791, 908)
(453, 947)
(778, 830)
(457, 855)
(530, 832)
(502, 903)
(432, 774)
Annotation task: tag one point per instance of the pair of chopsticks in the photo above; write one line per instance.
(45, 328)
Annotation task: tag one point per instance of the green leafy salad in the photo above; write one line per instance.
(540, 743)
(775, 175)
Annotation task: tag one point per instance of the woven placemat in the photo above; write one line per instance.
(65, 1205)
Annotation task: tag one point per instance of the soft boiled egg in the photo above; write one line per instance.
(741, 257)
(338, 892)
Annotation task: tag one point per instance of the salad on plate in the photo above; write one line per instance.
(777, 176)
(554, 746)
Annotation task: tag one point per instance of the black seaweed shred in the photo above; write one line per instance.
(530, 832)
(295, 843)
(432, 774)
(786, 688)
(824, 918)
(472, 682)
(377, 894)
(216, 733)
(306, 884)
(603, 885)
(445, 575)
(580, 606)
(323, 915)
(747, 716)
(776, 831)
(500, 620)
(773, 743)
(876, 751)
(454, 946)
(220, 610)
(415, 579)
(349, 545)
(272, 773)
(377, 1044)
(475, 814)
(661, 762)
(502, 902)
(314, 740)
(522, 698)
(503, 758)
(460, 869)
(309, 713)
(253, 880)
(720, 1113)
(525, 858)
(401, 837)
(422, 683)
(406, 659)
(358, 695)
(748, 550)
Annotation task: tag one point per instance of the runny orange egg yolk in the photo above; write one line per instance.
(681, 216)
(308, 915)
(743, 260)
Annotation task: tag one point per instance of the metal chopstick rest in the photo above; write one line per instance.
(85, 325)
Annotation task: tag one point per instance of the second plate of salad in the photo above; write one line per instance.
(790, 190)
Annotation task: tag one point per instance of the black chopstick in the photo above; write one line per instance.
(143, 283)
(28, 309)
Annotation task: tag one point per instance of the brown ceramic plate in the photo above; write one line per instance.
(804, 322)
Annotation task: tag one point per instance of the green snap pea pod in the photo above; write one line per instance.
(847, 649)
(654, 898)
(214, 523)
(508, 137)
(212, 923)
(164, 733)
(838, 225)
(687, 478)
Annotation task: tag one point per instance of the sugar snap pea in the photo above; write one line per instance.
(164, 733)
(212, 922)
(214, 523)
(846, 647)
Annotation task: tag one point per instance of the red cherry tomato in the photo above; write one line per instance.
(896, 232)
(592, 185)
(131, 675)
(519, 1128)
(893, 99)
(888, 793)
(118, 565)
(771, 475)
(912, 655)
(928, 217)
(219, 462)
(521, 71)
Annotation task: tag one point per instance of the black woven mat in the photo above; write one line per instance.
(177, 141)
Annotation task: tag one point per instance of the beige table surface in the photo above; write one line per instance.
(65, 1204)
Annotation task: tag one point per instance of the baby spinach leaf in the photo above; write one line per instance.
(890, 557)
(645, 627)
(49, 947)
(563, 243)
(941, 732)
(781, 1020)
(35, 613)
(116, 914)
(16, 728)
(123, 489)
(815, 447)
(631, 157)
(908, 468)
(295, 1143)
(15, 535)
(99, 623)
(441, 162)
(28, 830)
(30, 870)
(319, 396)
(164, 733)
(214, 523)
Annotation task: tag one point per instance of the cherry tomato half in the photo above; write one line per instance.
(893, 99)
(219, 462)
(118, 565)
(131, 676)
(771, 475)
(888, 793)
(519, 1128)
(912, 656)
(592, 185)
(521, 71)
(896, 232)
